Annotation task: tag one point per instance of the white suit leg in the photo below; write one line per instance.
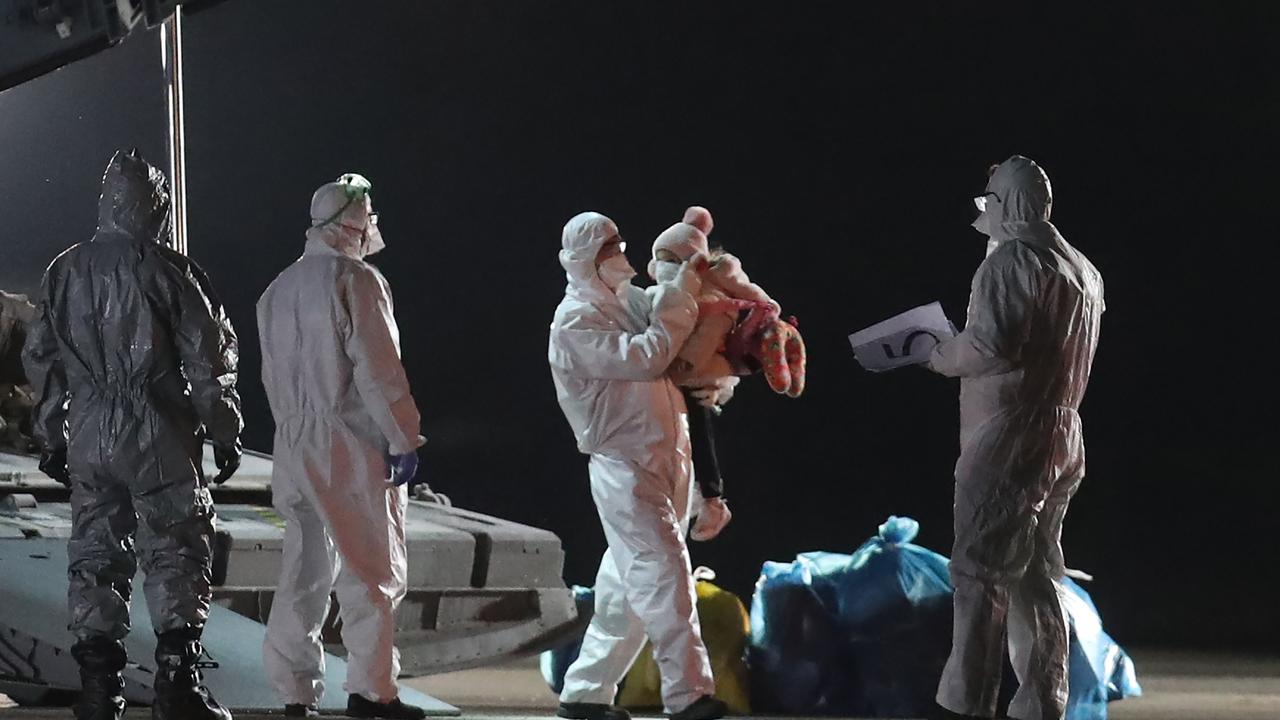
(1038, 648)
(613, 640)
(645, 516)
(994, 530)
(371, 584)
(971, 679)
(292, 652)
(1039, 629)
(1012, 492)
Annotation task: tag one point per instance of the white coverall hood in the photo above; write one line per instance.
(583, 236)
(1019, 201)
(341, 217)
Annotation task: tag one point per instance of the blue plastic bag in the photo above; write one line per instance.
(793, 653)
(1099, 671)
(863, 634)
(868, 634)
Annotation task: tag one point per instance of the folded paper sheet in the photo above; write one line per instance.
(905, 339)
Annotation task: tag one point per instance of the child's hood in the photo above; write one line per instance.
(682, 239)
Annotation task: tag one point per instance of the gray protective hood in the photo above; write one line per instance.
(1019, 202)
(135, 200)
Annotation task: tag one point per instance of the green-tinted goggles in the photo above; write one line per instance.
(356, 186)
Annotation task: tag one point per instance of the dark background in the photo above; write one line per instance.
(839, 151)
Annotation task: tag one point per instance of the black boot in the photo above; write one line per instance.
(592, 711)
(361, 707)
(180, 691)
(300, 710)
(704, 708)
(102, 685)
(941, 713)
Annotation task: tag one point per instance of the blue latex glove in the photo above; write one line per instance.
(403, 468)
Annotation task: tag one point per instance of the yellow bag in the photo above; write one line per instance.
(725, 625)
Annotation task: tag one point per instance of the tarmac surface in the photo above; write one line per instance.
(1176, 686)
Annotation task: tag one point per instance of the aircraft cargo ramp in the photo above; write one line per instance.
(481, 589)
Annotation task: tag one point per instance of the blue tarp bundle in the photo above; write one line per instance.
(867, 634)
(1099, 669)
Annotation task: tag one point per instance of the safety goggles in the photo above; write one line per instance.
(613, 246)
(981, 200)
(373, 220)
(356, 187)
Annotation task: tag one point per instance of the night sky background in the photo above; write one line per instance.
(839, 150)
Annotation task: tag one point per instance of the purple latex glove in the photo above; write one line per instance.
(403, 468)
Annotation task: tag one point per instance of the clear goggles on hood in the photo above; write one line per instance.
(373, 221)
(356, 187)
(981, 200)
(613, 246)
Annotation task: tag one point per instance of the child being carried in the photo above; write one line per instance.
(738, 332)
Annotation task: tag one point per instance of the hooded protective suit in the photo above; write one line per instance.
(341, 403)
(609, 351)
(1023, 359)
(16, 401)
(15, 313)
(133, 361)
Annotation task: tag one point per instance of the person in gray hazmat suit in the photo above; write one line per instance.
(1023, 360)
(132, 361)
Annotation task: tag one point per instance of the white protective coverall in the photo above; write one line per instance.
(1023, 359)
(341, 402)
(609, 352)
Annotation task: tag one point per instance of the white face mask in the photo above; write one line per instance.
(615, 271)
(983, 223)
(371, 241)
(987, 204)
(665, 271)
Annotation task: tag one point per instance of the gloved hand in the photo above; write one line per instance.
(54, 464)
(689, 277)
(403, 468)
(227, 458)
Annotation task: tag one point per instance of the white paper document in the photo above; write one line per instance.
(905, 339)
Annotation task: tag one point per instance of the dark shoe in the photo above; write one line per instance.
(592, 711)
(101, 684)
(941, 713)
(180, 690)
(704, 708)
(300, 710)
(361, 707)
